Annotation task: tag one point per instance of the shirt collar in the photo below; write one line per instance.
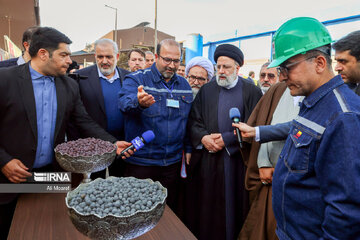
(37, 76)
(160, 77)
(20, 60)
(112, 79)
(319, 93)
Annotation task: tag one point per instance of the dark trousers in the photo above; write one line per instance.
(168, 176)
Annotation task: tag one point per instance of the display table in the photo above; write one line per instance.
(44, 216)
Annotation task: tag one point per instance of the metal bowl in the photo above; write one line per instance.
(85, 164)
(116, 227)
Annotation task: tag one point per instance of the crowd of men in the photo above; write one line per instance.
(294, 175)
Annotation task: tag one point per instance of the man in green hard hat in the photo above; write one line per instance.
(316, 180)
(315, 185)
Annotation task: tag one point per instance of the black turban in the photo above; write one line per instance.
(230, 51)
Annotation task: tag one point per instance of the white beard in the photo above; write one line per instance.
(194, 92)
(228, 81)
(108, 71)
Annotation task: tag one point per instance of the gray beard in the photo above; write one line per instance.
(107, 72)
(229, 79)
(264, 89)
(194, 92)
(167, 75)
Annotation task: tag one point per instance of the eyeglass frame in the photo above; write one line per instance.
(285, 68)
(195, 78)
(270, 75)
(169, 60)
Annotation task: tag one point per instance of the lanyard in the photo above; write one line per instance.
(170, 91)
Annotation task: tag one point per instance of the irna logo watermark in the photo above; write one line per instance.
(52, 177)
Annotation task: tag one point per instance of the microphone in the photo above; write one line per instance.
(139, 142)
(235, 117)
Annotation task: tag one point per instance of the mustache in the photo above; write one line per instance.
(170, 69)
(105, 64)
(195, 85)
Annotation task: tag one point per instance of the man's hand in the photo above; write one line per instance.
(209, 142)
(121, 145)
(187, 158)
(145, 99)
(219, 140)
(266, 174)
(15, 171)
(246, 130)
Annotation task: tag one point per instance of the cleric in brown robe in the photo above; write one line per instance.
(220, 201)
(260, 223)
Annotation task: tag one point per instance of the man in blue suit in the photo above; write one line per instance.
(99, 87)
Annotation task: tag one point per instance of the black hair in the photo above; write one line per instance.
(349, 42)
(47, 38)
(138, 50)
(28, 34)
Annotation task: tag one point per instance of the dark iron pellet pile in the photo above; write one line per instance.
(86, 147)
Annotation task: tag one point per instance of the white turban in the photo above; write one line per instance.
(202, 62)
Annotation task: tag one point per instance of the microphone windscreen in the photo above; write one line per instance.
(234, 113)
(148, 136)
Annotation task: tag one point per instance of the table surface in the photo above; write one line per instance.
(44, 216)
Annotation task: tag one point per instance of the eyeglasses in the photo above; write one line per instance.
(169, 60)
(269, 75)
(285, 68)
(193, 78)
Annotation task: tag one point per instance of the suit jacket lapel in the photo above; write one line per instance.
(61, 103)
(27, 95)
(95, 84)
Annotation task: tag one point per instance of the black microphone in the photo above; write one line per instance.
(139, 142)
(235, 117)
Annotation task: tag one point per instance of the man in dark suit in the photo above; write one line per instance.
(37, 101)
(99, 93)
(26, 39)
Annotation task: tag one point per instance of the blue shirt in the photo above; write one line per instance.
(46, 108)
(168, 123)
(316, 181)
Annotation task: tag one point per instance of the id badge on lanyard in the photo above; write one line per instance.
(171, 102)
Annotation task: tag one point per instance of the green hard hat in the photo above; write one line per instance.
(298, 35)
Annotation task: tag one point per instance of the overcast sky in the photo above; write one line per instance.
(84, 21)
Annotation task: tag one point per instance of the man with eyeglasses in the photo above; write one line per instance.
(268, 77)
(316, 179)
(158, 99)
(198, 71)
(220, 199)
